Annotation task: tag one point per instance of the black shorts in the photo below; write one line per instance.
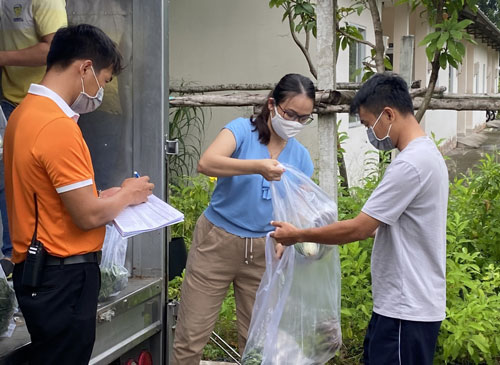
(396, 341)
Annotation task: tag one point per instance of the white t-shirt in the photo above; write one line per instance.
(409, 254)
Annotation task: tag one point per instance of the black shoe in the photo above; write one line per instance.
(7, 267)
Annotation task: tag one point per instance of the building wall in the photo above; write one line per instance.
(480, 81)
(232, 41)
(244, 41)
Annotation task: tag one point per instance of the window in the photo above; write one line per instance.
(451, 81)
(484, 78)
(357, 54)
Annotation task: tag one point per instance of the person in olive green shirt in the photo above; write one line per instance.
(26, 31)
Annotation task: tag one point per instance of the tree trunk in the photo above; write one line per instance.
(379, 39)
(435, 68)
(430, 88)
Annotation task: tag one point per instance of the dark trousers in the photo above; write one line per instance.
(60, 314)
(7, 108)
(395, 341)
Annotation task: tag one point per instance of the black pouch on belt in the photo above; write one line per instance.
(35, 258)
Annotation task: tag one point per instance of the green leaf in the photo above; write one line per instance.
(308, 8)
(387, 64)
(430, 53)
(299, 9)
(345, 43)
(429, 38)
(310, 25)
(452, 49)
(460, 48)
(463, 24)
(442, 40)
(452, 61)
(443, 61)
(481, 342)
(457, 35)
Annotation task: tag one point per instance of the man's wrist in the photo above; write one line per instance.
(301, 235)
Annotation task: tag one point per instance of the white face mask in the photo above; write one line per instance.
(85, 103)
(285, 128)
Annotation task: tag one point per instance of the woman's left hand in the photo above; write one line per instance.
(279, 249)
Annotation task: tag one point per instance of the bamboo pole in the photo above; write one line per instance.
(192, 89)
(338, 101)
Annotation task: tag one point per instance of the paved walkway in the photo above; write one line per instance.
(472, 148)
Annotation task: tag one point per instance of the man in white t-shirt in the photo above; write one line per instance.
(408, 212)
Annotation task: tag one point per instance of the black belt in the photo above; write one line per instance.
(76, 259)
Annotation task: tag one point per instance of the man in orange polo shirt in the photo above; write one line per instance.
(50, 185)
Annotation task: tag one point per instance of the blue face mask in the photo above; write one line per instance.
(382, 144)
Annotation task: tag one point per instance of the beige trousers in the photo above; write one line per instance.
(216, 259)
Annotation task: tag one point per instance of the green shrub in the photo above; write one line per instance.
(191, 195)
(469, 335)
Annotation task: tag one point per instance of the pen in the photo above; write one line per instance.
(136, 174)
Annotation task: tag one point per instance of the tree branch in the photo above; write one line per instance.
(302, 48)
(421, 91)
(347, 35)
(338, 101)
(379, 39)
(435, 68)
(193, 89)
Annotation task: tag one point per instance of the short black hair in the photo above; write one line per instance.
(84, 41)
(382, 90)
(289, 86)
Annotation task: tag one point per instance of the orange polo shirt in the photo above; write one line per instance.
(45, 153)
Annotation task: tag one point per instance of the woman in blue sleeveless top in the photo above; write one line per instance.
(229, 238)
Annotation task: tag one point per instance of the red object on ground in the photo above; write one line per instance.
(145, 358)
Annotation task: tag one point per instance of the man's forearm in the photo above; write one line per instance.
(32, 56)
(336, 233)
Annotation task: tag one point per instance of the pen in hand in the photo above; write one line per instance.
(136, 174)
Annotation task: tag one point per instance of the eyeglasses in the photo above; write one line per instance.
(294, 117)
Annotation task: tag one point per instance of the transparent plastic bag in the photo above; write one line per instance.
(114, 275)
(296, 315)
(7, 303)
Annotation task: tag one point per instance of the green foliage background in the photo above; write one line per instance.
(470, 333)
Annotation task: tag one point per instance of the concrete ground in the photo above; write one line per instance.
(472, 148)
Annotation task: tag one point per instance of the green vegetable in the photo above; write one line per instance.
(113, 280)
(328, 336)
(253, 357)
(7, 301)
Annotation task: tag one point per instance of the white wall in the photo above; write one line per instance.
(244, 41)
(357, 146)
(480, 86)
(230, 41)
(443, 123)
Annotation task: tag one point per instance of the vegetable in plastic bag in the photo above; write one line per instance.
(114, 275)
(296, 315)
(7, 302)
